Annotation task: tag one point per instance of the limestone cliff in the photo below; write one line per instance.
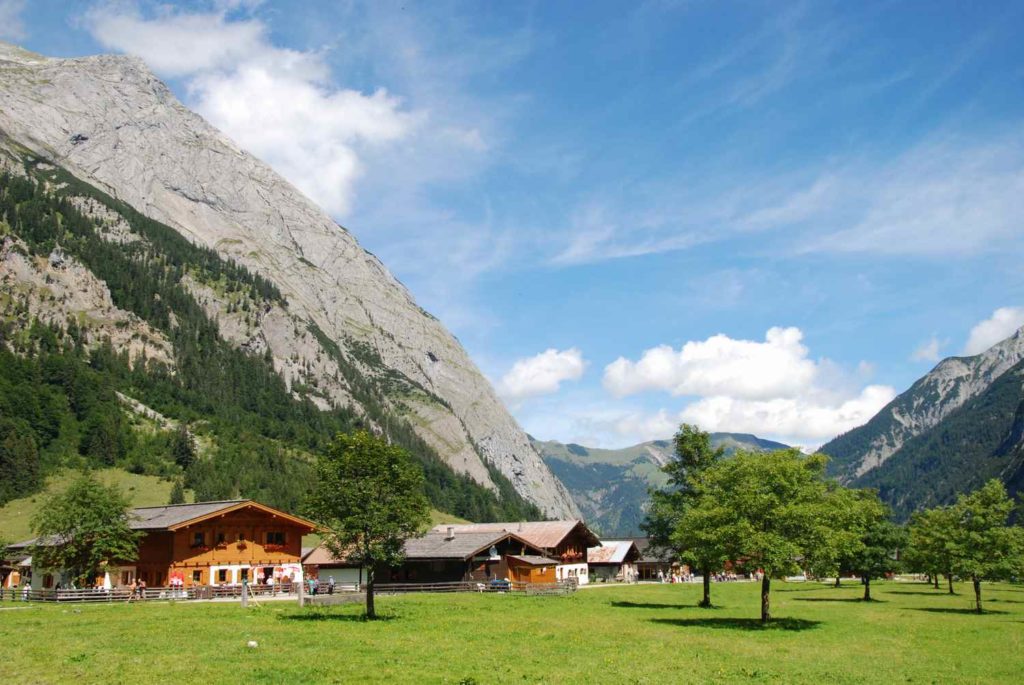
(110, 122)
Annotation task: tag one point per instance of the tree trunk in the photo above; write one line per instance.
(371, 612)
(949, 577)
(935, 580)
(766, 584)
(837, 582)
(705, 603)
(977, 594)
(867, 588)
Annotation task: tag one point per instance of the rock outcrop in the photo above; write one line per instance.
(109, 121)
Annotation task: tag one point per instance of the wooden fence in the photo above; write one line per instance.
(562, 587)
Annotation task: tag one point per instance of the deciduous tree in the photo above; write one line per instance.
(368, 499)
(982, 545)
(83, 529)
(771, 508)
(673, 524)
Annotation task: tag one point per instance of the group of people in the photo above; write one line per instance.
(314, 585)
(137, 590)
(674, 576)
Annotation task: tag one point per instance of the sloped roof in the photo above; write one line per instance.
(464, 544)
(158, 518)
(613, 552)
(173, 516)
(543, 534)
(533, 560)
(647, 554)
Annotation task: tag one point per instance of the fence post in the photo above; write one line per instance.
(245, 593)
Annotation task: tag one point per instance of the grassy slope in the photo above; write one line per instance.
(144, 491)
(638, 634)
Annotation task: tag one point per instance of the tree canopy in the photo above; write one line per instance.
(368, 499)
(674, 522)
(83, 529)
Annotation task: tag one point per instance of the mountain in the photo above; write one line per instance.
(277, 279)
(610, 486)
(955, 428)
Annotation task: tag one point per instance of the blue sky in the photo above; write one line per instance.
(757, 216)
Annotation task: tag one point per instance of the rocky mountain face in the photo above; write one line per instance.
(949, 386)
(611, 486)
(343, 323)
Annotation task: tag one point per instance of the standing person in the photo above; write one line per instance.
(132, 589)
(330, 585)
(142, 589)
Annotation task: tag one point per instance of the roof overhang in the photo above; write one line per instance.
(247, 504)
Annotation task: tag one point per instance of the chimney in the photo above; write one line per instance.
(450, 535)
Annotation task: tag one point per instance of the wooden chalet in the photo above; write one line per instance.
(613, 560)
(206, 543)
(564, 541)
(651, 563)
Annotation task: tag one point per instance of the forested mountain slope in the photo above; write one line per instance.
(108, 358)
(611, 486)
(952, 383)
(298, 296)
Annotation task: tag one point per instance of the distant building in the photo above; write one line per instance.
(650, 563)
(613, 560)
(447, 555)
(565, 542)
(206, 543)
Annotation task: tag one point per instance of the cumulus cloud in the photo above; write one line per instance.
(277, 103)
(771, 388)
(927, 351)
(799, 419)
(1003, 323)
(747, 369)
(542, 374)
(11, 25)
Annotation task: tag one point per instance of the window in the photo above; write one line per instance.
(47, 581)
(198, 539)
(220, 538)
(245, 575)
(222, 575)
(275, 538)
(197, 577)
(241, 537)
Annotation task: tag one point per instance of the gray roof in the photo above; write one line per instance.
(543, 534)
(533, 560)
(158, 518)
(436, 545)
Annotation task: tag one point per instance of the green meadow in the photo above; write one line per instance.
(637, 634)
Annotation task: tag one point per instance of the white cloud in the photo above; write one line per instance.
(803, 419)
(719, 365)
(542, 374)
(1003, 323)
(11, 25)
(927, 351)
(277, 103)
(771, 388)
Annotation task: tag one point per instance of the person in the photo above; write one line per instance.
(132, 589)
(142, 589)
(330, 585)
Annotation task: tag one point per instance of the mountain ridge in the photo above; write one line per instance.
(109, 121)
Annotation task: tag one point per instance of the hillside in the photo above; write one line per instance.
(339, 330)
(951, 384)
(611, 486)
(219, 296)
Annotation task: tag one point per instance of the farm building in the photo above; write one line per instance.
(613, 560)
(651, 562)
(206, 543)
(443, 556)
(564, 541)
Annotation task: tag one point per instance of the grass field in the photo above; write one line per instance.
(638, 634)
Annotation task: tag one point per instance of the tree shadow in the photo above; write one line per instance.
(788, 624)
(950, 610)
(934, 593)
(656, 605)
(324, 616)
(839, 599)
